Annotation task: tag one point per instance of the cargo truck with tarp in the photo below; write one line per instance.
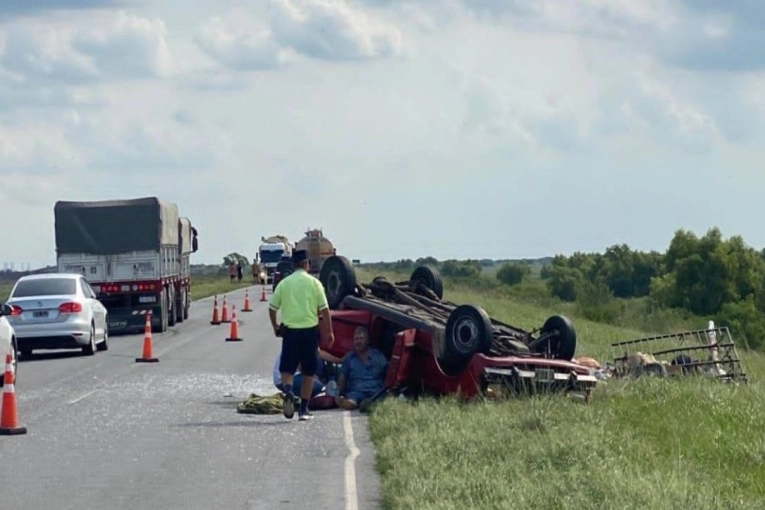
(136, 255)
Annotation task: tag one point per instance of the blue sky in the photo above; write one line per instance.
(404, 128)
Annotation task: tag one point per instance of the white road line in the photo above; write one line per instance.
(81, 397)
(351, 495)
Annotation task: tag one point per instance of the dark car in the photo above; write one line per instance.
(281, 271)
(438, 347)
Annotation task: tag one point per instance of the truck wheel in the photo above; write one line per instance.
(171, 309)
(429, 277)
(186, 303)
(163, 319)
(563, 344)
(180, 305)
(468, 332)
(339, 280)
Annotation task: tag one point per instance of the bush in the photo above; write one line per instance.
(461, 269)
(513, 273)
(745, 322)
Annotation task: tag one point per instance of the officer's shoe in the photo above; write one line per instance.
(305, 415)
(288, 406)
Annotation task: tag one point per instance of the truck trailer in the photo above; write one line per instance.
(136, 255)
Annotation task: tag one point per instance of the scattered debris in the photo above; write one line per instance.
(710, 352)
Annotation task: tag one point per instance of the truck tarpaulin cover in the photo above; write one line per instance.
(184, 227)
(115, 226)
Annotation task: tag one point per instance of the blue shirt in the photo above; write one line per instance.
(363, 375)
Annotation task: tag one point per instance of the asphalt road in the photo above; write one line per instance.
(105, 432)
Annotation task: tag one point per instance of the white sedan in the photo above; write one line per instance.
(57, 311)
(7, 340)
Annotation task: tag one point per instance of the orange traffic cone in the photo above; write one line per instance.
(224, 315)
(247, 301)
(233, 336)
(9, 420)
(148, 355)
(263, 293)
(215, 319)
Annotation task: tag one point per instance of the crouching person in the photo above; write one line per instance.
(297, 379)
(362, 373)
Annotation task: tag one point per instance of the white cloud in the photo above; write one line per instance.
(239, 43)
(332, 30)
(403, 127)
(122, 46)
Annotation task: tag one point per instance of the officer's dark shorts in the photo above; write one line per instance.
(300, 346)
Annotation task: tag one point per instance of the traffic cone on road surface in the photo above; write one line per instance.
(224, 316)
(263, 293)
(246, 307)
(148, 354)
(233, 336)
(215, 319)
(9, 419)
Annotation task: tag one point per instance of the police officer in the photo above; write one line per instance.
(301, 300)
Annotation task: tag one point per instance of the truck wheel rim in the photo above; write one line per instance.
(465, 335)
(333, 283)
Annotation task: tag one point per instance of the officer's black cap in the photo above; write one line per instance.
(299, 255)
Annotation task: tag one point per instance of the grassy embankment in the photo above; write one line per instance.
(648, 443)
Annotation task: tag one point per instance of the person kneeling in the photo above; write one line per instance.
(362, 373)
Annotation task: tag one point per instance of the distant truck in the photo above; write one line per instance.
(136, 255)
(271, 251)
(319, 248)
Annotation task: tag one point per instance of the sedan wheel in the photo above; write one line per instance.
(104, 345)
(90, 349)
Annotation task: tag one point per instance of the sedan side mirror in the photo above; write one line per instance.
(5, 310)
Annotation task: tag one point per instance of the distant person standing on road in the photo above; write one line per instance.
(256, 270)
(239, 271)
(301, 300)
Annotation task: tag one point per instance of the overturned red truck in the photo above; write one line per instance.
(440, 348)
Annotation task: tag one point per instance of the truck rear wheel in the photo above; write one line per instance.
(172, 317)
(180, 305)
(561, 345)
(163, 312)
(339, 280)
(430, 278)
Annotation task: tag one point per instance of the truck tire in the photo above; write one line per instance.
(339, 280)
(172, 316)
(163, 319)
(180, 305)
(186, 303)
(468, 332)
(429, 277)
(563, 345)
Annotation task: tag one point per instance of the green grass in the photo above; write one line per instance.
(206, 286)
(648, 443)
(201, 286)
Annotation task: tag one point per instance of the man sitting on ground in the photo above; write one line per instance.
(297, 381)
(362, 374)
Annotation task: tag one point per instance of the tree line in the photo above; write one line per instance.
(708, 276)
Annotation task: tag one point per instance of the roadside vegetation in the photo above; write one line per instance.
(646, 443)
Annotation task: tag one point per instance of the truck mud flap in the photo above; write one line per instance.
(127, 322)
(388, 312)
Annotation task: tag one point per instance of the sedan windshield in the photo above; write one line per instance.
(45, 287)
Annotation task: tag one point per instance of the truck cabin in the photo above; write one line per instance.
(271, 254)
